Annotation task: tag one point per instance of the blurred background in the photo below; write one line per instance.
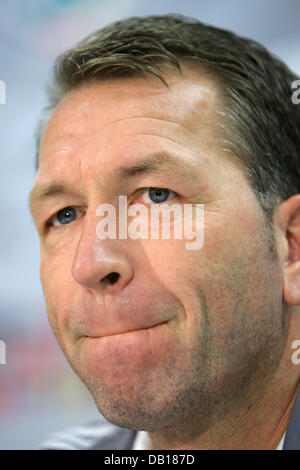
(39, 392)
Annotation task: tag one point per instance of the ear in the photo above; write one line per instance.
(289, 212)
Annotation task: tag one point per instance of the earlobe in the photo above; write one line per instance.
(291, 264)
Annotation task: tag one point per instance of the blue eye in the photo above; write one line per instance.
(67, 215)
(159, 194)
(63, 217)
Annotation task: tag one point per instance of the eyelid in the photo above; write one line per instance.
(49, 224)
(143, 190)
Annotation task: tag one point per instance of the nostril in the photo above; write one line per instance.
(113, 277)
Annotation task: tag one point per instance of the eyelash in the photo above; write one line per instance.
(50, 224)
(167, 189)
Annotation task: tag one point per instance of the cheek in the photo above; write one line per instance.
(232, 264)
(58, 290)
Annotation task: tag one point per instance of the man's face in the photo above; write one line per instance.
(177, 336)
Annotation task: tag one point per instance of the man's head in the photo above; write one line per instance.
(164, 337)
(260, 121)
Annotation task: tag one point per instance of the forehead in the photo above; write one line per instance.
(115, 120)
(97, 104)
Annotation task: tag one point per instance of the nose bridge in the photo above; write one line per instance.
(100, 264)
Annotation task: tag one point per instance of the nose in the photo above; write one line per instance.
(101, 265)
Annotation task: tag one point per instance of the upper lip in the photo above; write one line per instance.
(95, 322)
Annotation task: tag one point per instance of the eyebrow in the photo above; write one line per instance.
(156, 163)
(45, 192)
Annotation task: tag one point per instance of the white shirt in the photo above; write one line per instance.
(141, 441)
(280, 445)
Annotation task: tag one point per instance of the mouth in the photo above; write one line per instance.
(126, 332)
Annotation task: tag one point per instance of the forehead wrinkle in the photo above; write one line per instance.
(164, 137)
(166, 120)
(196, 113)
(159, 163)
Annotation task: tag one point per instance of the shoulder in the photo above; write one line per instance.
(96, 435)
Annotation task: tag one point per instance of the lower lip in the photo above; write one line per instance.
(142, 345)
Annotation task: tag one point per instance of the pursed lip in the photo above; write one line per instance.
(95, 316)
(123, 331)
